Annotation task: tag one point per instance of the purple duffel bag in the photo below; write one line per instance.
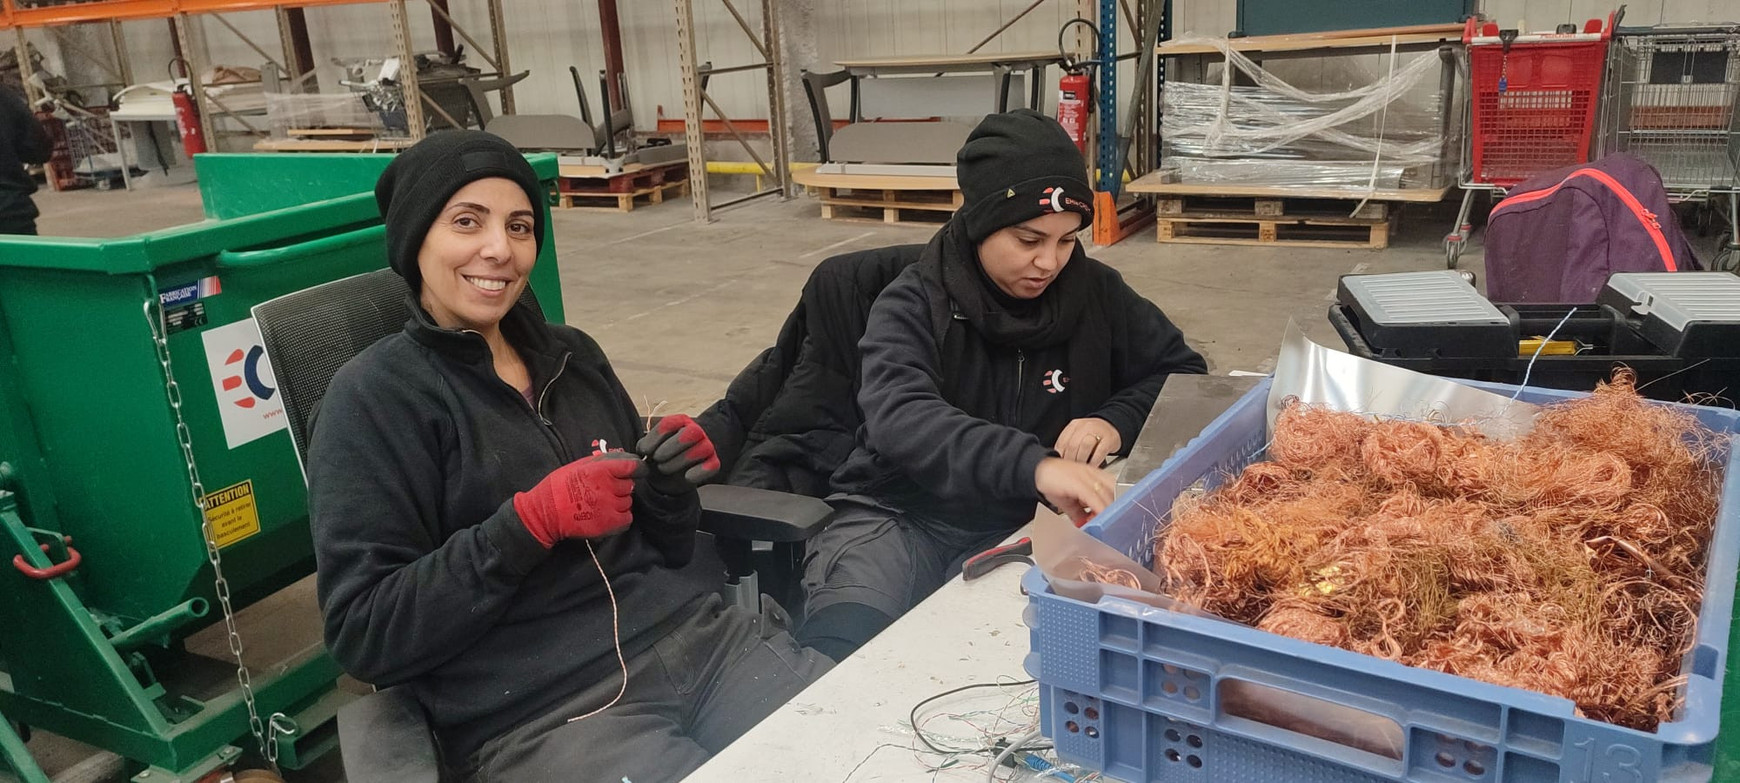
(1558, 235)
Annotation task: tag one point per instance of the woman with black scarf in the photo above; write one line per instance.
(1000, 370)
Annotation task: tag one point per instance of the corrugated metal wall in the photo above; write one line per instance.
(546, 36)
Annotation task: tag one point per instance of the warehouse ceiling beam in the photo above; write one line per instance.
(105, 10)
(696, 101)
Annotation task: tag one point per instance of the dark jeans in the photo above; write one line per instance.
(711, 679)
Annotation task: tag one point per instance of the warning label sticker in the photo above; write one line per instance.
(232, 513)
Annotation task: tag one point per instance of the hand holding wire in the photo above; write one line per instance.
(680, 454)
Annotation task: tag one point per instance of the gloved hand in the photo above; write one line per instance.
(681, 455)
(586, 498)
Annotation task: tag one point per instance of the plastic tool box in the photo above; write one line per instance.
(1678, 331)
(1144, 693)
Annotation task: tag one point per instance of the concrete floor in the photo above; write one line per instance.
(681, 307)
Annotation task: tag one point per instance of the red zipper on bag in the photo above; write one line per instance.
(1650, 222)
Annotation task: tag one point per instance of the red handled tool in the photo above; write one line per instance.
(987, 561)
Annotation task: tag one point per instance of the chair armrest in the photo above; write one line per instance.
(748, 513)
(385, 736)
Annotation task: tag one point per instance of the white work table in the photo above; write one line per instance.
(851, 725)
(964, 633)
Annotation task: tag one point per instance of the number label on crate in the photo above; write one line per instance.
(1615, 764)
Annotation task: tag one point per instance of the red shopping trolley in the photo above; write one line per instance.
(1532, 102)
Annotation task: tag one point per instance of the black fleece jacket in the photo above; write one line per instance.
(22, 141)
(427, 575)
(968, 461)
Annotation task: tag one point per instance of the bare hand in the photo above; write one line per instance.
(1089, 441)
(1076, 489)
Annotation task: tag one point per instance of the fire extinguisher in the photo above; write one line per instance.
(1075, 89)
(1074, 93)
(187, 123)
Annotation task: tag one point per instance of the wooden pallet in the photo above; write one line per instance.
(621, 202)
(1269, 207)
(1279, 231)
(593, 181)
(352, 134)
(926, 207)
(1159, 184)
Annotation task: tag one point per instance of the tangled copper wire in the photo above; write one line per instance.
(1568, 562)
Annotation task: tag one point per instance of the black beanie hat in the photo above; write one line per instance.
(1017, 166)
(418, 183)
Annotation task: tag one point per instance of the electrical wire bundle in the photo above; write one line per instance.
(1002, 740)
(1568, 562)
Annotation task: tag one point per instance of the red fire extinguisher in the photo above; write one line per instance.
(187, 123)
(1075, 91)
(1074, 105)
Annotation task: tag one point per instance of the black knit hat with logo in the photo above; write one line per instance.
(418, 183)
(1017, 166)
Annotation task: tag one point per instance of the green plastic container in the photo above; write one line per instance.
(89, 440)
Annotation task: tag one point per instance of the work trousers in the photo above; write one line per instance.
(871, 565)
(700, 687)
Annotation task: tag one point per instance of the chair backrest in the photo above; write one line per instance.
(788, 419)
(477, 90)
(309, 334)
(815, 88)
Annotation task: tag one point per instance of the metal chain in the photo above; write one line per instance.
(172, 390)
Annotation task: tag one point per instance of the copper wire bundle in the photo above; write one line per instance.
(1568, 562)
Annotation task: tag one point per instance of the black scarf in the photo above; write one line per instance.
(1067, 312)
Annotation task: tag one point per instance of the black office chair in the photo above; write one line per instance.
(815, 88)
(308, 335)
(791, 417)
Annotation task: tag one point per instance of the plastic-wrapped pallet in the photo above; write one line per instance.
(286, 112)
(1389, 133)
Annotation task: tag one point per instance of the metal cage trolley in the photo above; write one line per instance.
(1670, 99)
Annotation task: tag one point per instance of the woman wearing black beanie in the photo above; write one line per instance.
(1000, 369)
(482, 534)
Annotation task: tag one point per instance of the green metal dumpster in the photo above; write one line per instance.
(131, 374)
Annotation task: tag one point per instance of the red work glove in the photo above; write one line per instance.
(586, 498)
(680, 454)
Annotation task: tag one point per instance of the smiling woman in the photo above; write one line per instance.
(474, 262)
(477, 538)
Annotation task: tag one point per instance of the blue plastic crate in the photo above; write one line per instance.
(1137, 692)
